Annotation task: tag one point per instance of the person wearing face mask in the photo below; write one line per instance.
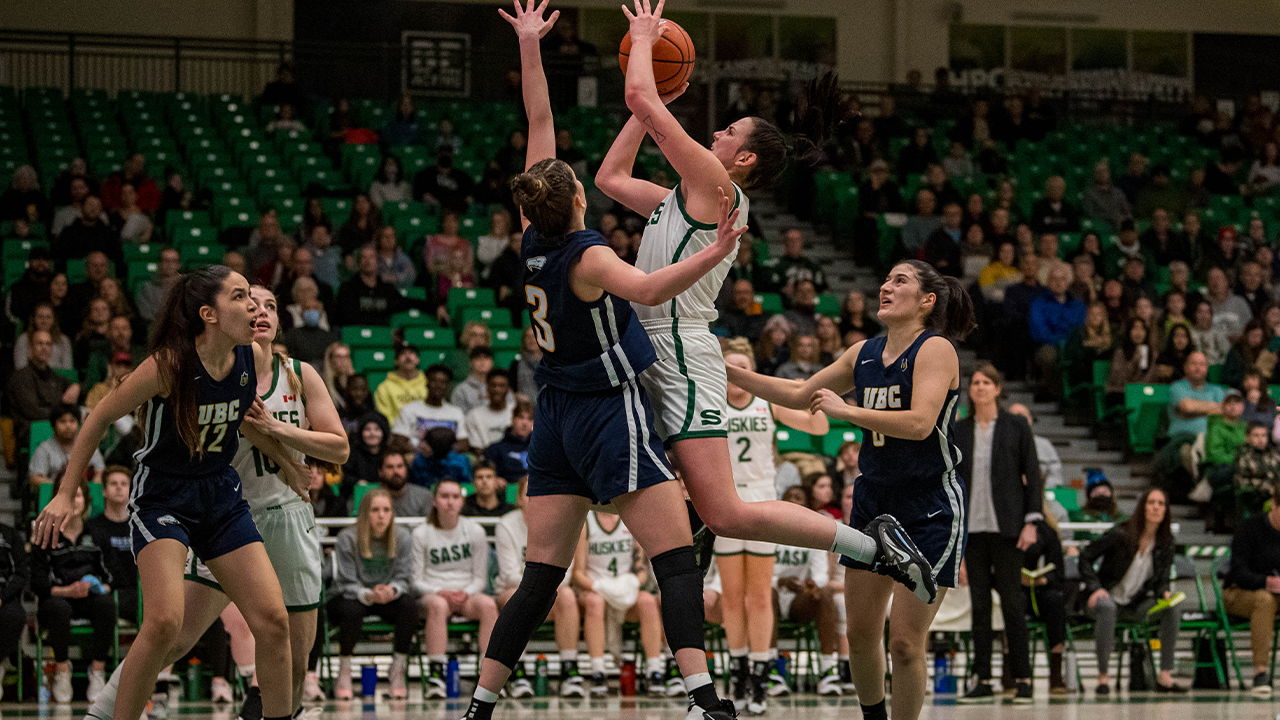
(1100, 503)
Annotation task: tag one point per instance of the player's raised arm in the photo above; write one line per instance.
(530, 28)
(614, 177)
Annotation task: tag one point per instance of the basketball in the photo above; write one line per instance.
(672, 57)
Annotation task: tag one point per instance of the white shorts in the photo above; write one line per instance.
(293, 545)
(749, 492)
(687, 385)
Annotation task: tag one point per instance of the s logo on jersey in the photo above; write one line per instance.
(657, 213)
(710, 417)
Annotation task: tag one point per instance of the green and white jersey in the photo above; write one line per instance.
(751, 447)
(609, 553)
(671, 236)
(262, 487)
(801, 564)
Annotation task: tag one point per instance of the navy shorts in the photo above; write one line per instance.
(206, 513)
(597, 445)
(933, 517)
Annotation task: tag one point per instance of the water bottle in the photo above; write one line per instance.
(781, 664)
(368, 680)
(540, 681)
(627, 678)
(46, 693)
(191, 687)
(452, 678)
(939, 673)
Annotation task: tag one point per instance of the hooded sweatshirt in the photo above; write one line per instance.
(510, 457)
(395, 392)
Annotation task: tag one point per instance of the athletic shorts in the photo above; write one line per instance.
(933, 517)
(205, 513)
(733, 546)
(687, 384)
(597, 445)
(290, 537)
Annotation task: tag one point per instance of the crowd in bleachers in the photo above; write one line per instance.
(1127, 271)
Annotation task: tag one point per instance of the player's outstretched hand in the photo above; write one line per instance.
(645, 21)
(48, 526)
(726, 235)
(827, 402)
(528, 20)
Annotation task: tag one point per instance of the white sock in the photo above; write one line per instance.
(442, 659)
(653, 665)
(756, 657)
(246, 671)
(826, 662)
(485, 696)
(568, 656)
(105, 705)
(597, 665)
(695, 681)
(402, 658)
(854, 544)
(843, 658)
(737, 652)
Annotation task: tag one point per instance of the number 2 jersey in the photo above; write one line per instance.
(587, 346)
(262, 485)
(899, 462)
(751, 449)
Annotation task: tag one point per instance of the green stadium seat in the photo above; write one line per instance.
(836, 437)
(469, 297)
(435, 356)
(414, 293)
(505, 339)
(193, 235)
(367, 337)
(366, 360)
(1146, 406)
(770, 303)
(505, 358)
(828, 305)
(789, 440)
(429, 338)
(200, 255)
(412, 318)
(491, 316)
(40, 430)
(1067, 497)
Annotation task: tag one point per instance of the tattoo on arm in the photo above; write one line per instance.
(653, 131)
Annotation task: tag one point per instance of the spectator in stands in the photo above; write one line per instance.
(33, 286)
(1230, 311)
(999, 274)
(802, 311)
(489, 498)
(510, 455)
(361, 225)
(236, 262)
(487, 421)
(35, 389)
(888, 124)
(1250, 286)
(920, 225)
(450, 574)
(403, 385)
(1257, 470)
(368, 443)
(1051, 319)
(1220, 176)
(1177, 346)
(42, 318)
(402, 128)
(1252, 584)
(958, 162)
(325, 258)
(366, 299)
(855, 315)
(323, 492)
(119, 342)
(472, 391)
(1162, 243)
(805, 359)
(131, 222)
(1046, 593)
(1207, 337)
(286, 120)
(793, 266)
(1225, 434)
(407, 499)
(55, 292)
(743, 318)
(457, 272)
(416, 416)
(1133, 574)
(93, 332)
(389, 184)
(1249, 354)
(1133, 361)
(336, 370)
(15, 573)
(821, 494)
(113, 533)
(357, 401)
(117, 301)
(510, 157)
(438, 247)
(23, 200)
(1224, 254)
(773, 347)
(444, 185)
(917, 155)
(878, 194)
(150, 294)
(302, 264)
(506, 277)
(1258, 404)
(942, 246)
(493, 243)
(437, 460)
(1255, 236)
(313, 214)
(830, 341)
(1052, 213)
(523, 369)
(133, 172)
(68, 213)
(1004, 494)
(935, 179)
(373, 572)
(1134, 179)
(284, 89)
(474, 334)
(310, 332)
(71, 580)
(1264, 173)
(88, 234)
(77, 169)
(394, 266)
(1191, 400)
(50, 456)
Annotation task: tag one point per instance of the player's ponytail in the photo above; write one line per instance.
(952, 315)
(545, 194)
(173, 344)
(819, 112)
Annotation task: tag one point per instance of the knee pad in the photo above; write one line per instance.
(680, 582)
(524, 612)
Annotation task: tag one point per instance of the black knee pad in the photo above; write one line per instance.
(524, 612)
(680, 582)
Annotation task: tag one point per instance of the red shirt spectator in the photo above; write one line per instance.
(134, 173)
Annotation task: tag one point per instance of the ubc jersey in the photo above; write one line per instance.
(890, 460)
(262, 485)
(670, 236)
(751, 430)
(220, 407)
(609, 554)
(587, 346)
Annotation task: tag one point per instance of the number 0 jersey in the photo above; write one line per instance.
(587, 346)
(263, 487)
(897, 461)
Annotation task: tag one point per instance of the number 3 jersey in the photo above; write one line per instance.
(899, 462)
(587, 346)
(262, 485)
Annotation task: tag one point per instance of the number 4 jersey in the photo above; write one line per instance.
(262, 486)
(587, 346)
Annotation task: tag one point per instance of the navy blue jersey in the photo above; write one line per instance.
(587, 346)
(221, 406)
(897, 461)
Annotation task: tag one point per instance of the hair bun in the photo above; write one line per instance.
(529, 190)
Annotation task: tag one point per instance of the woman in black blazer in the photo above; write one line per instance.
(1124, 572)
(1004, 493)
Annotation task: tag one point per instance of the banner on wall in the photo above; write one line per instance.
(1121, 82)
(437, 64)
